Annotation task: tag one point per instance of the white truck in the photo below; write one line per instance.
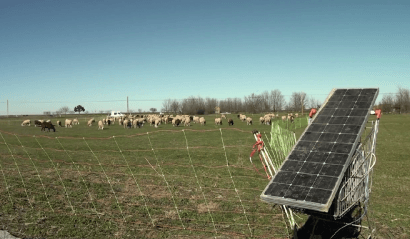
(116, 114)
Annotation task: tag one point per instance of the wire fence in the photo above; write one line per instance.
(158, 184)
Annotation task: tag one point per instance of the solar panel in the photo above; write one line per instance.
(312, 172)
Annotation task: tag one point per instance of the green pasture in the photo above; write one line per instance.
(82, 182)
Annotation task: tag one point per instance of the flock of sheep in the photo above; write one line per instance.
(155, 120)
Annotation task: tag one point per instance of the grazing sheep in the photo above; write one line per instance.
(136, 123)
(75, 121)
(291, 118)
(230, 121)
(261, 120)
(283, 118)
(243, 118)
(120, 121)
(26, 122)
(202, 121)
(218, 121)
(268, 120)
(223, 116)
(125, 123)
(68, 123)
(37, 123)
(196, 119)
(47, 125)
(59, 123)
(249, 121)
(100, 125)
(176, 122)
(48, 121)
(296, 115)
(90, 122)
(187, 121)
(104, 121)
(157, 123)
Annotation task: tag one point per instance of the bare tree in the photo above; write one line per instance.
(166, 105)
(153, 110)
(64, 109)
(175, 106)
(277, 101)
(139, 110)
(210, 104)
(387, 103)
(403, 99)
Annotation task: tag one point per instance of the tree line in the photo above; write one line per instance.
(398, 102)
(273, 101)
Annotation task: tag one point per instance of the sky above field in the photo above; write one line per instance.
(96, 53)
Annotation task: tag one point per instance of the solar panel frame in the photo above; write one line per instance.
(293, 160)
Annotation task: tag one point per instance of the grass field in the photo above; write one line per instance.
(166, 182)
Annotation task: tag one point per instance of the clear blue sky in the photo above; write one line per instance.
(65, 53)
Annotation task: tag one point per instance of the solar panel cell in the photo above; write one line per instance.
(316, 127)
(323, 119)
(346, 138)
(325, 182)
(324, 146)
(342, 148)
(317, 195)
(331, 169)
(305, 146)
(359, 112)
(277, 189)
(355, 120)
(328, 137)
(297, 192)
(349, 98)
(327, 111)
(342, 112)
(298, 155)
(338, 120)
(334, 158)
(284, 177)
(305, 180)
(311, 168)
(311, 136)
(334, 128)
(355, 92)
(346, 105)
(292, 166)
(351, 129)
(318, 157)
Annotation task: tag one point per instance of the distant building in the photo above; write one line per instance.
(217, 110)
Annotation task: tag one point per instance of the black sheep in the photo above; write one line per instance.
(230, 121)
(47, 125)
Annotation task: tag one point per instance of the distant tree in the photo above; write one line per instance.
(79, 108)
(153, 110)
(140, 110)
(387, 103)
(64, 109)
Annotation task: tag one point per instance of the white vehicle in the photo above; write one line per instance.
(116, 114)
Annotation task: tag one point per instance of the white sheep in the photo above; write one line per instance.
(157, 123)
(90, 122)
(100, 125)
(223, 116)
(261, 120)
(249, 121)
(187, 121)
(284, 118)
(125, 123)
(195, 119)
(296, 115)
(59, 123)
(120, 121)
(202, 121)
(75, 121)
(26, 122)
(218, 121)
(243, 118)
(68, 123)
(268, 120)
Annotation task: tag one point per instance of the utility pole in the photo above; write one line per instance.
(128, 109)
(7, 108)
